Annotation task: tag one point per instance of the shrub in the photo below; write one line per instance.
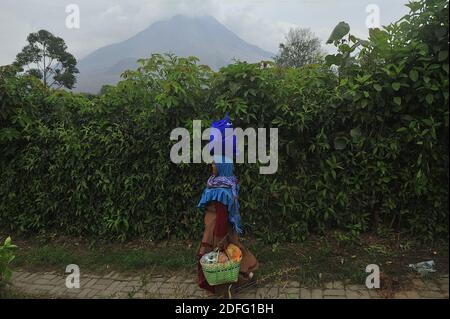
(363, 142)
(6, 257)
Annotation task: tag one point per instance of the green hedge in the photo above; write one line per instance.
(363, 144)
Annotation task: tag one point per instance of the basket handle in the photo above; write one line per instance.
(225, 250)
(222, 240)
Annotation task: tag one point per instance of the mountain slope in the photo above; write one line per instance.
(203, 37)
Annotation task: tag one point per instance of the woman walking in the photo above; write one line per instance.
(221, 208)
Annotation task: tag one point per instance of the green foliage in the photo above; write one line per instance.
(362, 145)
(46, 57)
(6, 257)
(339, 31)
(395, 92)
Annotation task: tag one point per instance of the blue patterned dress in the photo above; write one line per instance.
(224, 195)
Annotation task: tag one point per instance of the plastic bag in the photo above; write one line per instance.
(210, 258)
(423, 267)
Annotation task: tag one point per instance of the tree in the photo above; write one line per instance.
(301, 47)
(46, 57)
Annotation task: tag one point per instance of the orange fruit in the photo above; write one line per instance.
(234, 252)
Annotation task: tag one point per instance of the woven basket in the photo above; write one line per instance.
(221, 273)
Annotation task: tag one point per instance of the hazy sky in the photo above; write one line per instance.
(260, 22)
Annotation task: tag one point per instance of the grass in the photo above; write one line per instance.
(56, 256)
(7, 292)
(318, 260)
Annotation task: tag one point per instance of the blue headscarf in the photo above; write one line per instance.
(217, 143)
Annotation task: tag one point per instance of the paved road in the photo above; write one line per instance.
(115, 285)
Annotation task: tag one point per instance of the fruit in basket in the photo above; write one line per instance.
(234, 252)
(222, 258)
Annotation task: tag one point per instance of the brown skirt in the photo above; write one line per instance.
(219, 233)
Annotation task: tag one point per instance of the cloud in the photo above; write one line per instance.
(265, 33)
(261, 22)
(116, 12)
(13, 40)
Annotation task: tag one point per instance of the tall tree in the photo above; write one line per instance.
(46, 57)
(301, 47)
